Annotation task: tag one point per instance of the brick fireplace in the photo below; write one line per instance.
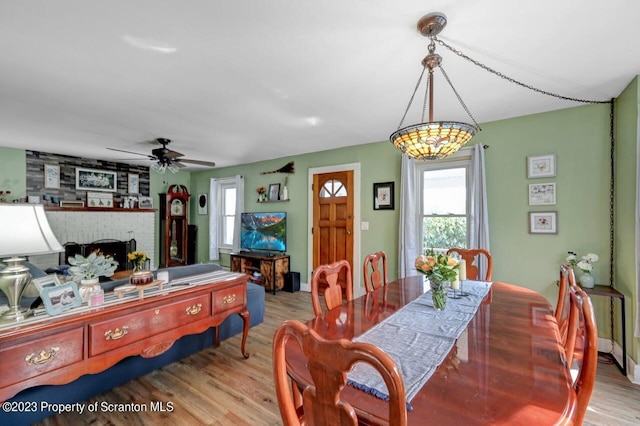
(82, 228)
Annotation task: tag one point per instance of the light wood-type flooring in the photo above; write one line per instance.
(218, 387)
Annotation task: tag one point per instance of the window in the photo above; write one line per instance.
(333, 188)
(227, 205)
(445, 204)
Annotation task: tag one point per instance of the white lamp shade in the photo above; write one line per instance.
(25, 230)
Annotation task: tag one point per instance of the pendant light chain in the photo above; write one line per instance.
(406, 111)
(612, 139)
(612, 187)
(512, 80)
(446, 77)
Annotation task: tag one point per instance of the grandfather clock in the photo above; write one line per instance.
(173, 226)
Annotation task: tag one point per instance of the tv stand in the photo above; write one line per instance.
(270, 268)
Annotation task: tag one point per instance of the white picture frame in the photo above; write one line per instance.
(45, 282)
(542, 194)
(60, 298)
(145, 202)
(99, 200)
(133, 181)
(96, 180)
(51, 176)
(539, 166)
(543, 222)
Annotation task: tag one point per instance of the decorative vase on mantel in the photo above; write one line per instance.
(88, 286)
(587, 280)
(438, 293)
(140, 275)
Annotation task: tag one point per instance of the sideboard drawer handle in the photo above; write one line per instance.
(118, 334)
(43, 357)
(229, 299)
(193, 310)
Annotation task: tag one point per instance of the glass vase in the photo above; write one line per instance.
(438, 293)
(587, 280)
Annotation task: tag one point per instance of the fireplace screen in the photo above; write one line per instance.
(114, 248)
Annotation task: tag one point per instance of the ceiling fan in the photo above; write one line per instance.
(166, 158)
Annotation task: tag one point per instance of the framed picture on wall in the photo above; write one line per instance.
(51, 176)
(541, 194)
(541, 166)
(383, 196)
(274, 192)
(133, 183)
(543, 222)
(96, 180)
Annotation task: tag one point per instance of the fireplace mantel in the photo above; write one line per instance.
(97, 209)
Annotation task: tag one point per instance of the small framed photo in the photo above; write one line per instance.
(45, 282)
(541, 166)
(134, 183)
(72, 204)
(99, 199)
(51, 176)
(145, 202)
(543, 222)
(60, 298)
(274, 192)
(383, 196)
(96, 180)
(542, 194)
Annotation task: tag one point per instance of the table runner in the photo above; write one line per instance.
(418, 338)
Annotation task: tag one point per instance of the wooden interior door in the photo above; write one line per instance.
(333, 218)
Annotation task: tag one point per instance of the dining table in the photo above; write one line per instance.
(506, 367)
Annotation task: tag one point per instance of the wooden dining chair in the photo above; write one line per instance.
(329, 275)
(473, 255)
(582, 349)
(375, 271)
(565, 282)
(328, 362)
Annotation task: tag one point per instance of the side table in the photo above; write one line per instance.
(612, 293)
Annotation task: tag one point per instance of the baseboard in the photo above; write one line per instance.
(633, 370)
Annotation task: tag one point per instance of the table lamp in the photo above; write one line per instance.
(24, 230)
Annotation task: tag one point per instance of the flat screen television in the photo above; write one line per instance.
(264, 231)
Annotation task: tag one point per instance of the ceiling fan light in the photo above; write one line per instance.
(159, 168)
(173, 168)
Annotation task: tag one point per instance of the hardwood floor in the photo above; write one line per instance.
(218, 387)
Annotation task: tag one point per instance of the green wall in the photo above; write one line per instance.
(380, 162)
(625, 220)
(580, 139)
(13, 172)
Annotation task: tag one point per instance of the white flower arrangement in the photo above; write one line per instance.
(585, 264)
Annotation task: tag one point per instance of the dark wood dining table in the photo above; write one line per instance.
(507, 367)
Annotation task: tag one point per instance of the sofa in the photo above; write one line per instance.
(130, 368)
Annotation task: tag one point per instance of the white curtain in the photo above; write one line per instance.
(215, 194)
(637, 327)
(409, 245)
(239, 209)
(478, 216)
(214, 231)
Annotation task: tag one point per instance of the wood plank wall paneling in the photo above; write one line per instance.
(218, 387)
(68, 164)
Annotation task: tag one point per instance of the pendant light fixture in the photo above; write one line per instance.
(432, 140)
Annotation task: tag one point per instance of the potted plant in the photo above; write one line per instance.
(87, 270)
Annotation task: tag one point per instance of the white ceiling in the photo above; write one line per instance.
(238, 81)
